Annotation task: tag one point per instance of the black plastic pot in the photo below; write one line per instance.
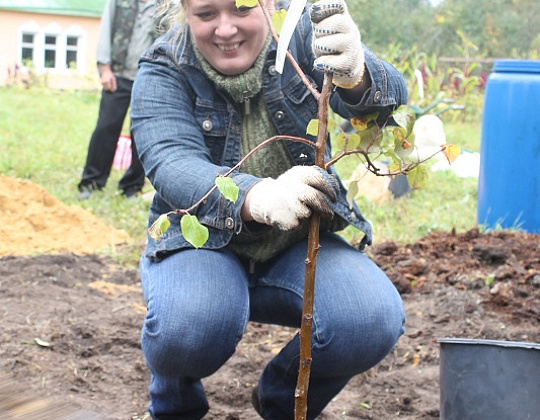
(489, 380)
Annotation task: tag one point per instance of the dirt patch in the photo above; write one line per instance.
(71, 327)
(32, 221)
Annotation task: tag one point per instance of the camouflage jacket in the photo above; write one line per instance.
(127, 30)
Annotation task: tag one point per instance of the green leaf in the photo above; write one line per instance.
(247, 3)
(404, 116)
(366, 406)
(278, 17)
(388, 139)
(195, 233)
(159, 227)
(417, 177)
(313, 127)
(228, 188)
(340, 141)
(354, 142)
(394, 167)
(332, 124)
(367, 138)
(352, 192)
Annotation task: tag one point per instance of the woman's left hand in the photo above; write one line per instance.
(336, 43)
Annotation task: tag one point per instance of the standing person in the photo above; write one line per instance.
(127, 30)
(206, 94)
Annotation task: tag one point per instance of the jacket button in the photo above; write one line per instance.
(272, 70)
(377, 96)
(229, 223)
(207, 125)
(279, 115)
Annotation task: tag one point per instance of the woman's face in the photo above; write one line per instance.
(230, 38)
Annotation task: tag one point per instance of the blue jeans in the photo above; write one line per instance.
(200, 301)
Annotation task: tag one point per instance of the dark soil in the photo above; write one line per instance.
(71, 325)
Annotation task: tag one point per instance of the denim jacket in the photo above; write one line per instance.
(187, 132)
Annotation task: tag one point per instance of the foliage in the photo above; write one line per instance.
(437, 86)
(499, 28)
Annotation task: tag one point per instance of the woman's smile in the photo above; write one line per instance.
(230, 38)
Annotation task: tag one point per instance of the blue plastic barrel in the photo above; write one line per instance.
(509, 179)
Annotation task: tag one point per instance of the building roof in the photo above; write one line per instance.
(91, 8)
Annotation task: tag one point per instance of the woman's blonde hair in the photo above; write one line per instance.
(170, 13)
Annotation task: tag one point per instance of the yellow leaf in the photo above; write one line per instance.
(359, 123)
(313, 127)
(278, 17)
(451, 151)
(247, 3)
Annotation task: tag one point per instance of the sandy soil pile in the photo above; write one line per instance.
(32, 221)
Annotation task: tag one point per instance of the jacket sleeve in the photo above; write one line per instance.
(105, 34)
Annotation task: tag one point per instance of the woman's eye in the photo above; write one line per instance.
(243, 10)
(205, 15)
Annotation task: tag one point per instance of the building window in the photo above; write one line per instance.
(72, 46)
(27, 47)
(50, 51)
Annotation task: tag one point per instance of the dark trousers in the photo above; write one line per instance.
(112, 112)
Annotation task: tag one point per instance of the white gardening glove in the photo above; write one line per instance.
(336, 43)
(285, 201)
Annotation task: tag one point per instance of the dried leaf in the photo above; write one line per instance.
(42, 343)
(159, 227)
(451, 151)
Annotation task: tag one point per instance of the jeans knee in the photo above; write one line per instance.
(187, 352)
(357, 342)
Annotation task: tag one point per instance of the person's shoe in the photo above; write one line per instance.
(131, 192)
(255, 400)
(85, 191)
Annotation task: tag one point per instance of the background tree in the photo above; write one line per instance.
(497, 28)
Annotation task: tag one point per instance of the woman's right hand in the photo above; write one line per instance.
(284, 202)
(337, 43)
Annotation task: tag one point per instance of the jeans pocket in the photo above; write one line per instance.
(151, 323)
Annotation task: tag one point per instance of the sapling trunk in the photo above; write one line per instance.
(301, 393)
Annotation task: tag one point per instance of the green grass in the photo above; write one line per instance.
(45, 134)
(44, 139)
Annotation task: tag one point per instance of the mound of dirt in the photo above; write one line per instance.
(34, 221)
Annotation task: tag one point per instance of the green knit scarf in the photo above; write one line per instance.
(257, 126)
(270, 161)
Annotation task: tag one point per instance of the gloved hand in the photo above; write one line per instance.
(285, 201)
(336, 43)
